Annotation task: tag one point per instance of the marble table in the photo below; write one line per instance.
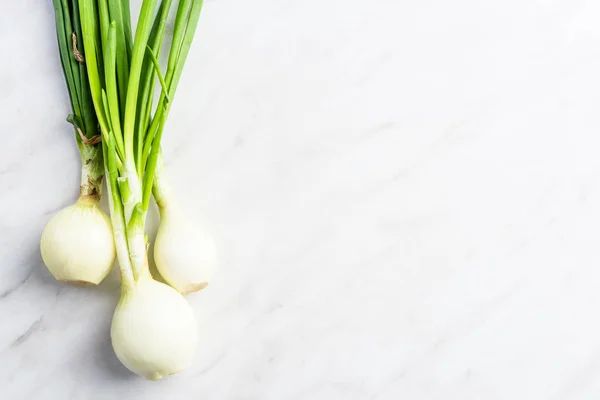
(405, 197)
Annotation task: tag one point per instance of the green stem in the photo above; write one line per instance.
(137, 58)
(104, 19)
(112, 94)
(151, 167)
(127, 27)
(147, 82)
(67, 25)
(115, 9)
(185, 28)
(63, 35)
(117, 215)
(89, 28)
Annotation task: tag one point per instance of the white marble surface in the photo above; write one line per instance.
(405, 195)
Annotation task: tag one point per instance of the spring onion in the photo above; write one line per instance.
(77, 244)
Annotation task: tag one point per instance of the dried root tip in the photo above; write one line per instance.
(194, 287)
(88, 141)
(79, 283)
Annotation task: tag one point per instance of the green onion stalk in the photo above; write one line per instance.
(77, 243)
(153, 329)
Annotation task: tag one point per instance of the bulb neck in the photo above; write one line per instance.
(88, 201)
(129, 288)
(136, 240)
(92, 172)
(161, 190)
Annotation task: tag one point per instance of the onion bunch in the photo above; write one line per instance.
(111, 75)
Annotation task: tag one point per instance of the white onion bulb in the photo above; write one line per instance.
(154, 331)
(77, 244)
(185, 256)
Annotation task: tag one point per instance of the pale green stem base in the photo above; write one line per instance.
(92, 172)
(161, 190)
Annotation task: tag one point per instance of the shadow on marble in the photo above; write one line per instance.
(108, 363)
